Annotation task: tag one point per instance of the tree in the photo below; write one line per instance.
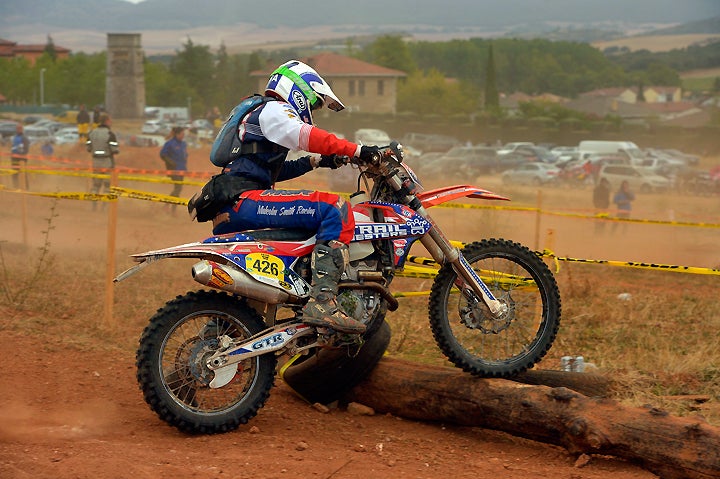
(195, 64)
(164, 88)
(641, 92)
(50, 48)
(390, 51)
(432, 93)
(492, 99)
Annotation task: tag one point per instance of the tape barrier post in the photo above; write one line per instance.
(110, 260)
(23, 203)
(537, 219)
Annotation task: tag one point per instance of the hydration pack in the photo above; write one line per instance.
(227, 146)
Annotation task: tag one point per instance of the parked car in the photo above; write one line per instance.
(8, 128)
(693, 181)
(638, 179)
(471, 160)
(66, 136)
(536, 153)
(30, 119)
(51, 125)
(511, 147)
(565, 153)
(426, 165)
(155, 127)
(67, 116)
(691, 160)
(429, 142)
(509, 161)
(372, 136)
(38, 134)
(531, 173)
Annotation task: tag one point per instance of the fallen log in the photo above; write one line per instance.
(671, 447)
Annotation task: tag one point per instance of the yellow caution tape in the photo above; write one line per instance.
(77, 196)
(635, 264)
(145, 195)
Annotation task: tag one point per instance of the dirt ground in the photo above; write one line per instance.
(73, 412)
(69, 413)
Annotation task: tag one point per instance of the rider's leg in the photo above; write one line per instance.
(331, 218)
(328, 264)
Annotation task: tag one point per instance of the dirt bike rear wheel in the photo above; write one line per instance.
(476, 341)
(171, 368)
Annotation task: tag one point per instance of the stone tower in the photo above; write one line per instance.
(125, 80)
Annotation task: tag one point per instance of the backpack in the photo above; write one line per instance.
(227, 146)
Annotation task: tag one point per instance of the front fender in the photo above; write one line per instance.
(438, 196)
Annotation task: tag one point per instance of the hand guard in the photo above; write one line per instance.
(331, 161)
(369, 154)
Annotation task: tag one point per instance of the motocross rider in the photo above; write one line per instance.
(272, 130)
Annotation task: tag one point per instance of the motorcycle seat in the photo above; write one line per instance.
(280, 234)
(267, 234)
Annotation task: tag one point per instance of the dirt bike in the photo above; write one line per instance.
(207, 360)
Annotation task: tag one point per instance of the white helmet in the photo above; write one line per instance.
(302, 87)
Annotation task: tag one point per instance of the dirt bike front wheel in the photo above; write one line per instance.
(496, 346)
(171, 369)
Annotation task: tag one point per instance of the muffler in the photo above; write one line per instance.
(215, 275)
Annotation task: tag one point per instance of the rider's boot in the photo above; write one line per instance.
(328, 264)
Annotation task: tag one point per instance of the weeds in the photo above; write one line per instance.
(16, 293)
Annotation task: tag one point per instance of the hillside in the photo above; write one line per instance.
(659, 43)
(164, 24)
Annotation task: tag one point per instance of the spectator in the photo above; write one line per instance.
(97, 111)
(103, 145)
(623, 200)
(215, 119)
(83, 124)
(174, 154)
(18, 158)
(601, 202)
(47, 149)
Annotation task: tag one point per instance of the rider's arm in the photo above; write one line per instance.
(294, 168)
(281, 125)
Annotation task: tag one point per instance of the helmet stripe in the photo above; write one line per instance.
(297, 80)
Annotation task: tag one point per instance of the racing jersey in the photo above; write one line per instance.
(277, 129)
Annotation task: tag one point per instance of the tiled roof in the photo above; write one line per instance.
(334, 65)
(38, 49)
(10, 49)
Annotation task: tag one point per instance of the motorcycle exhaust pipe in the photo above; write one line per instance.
(215, 275)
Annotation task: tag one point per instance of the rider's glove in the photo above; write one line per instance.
(331, 161)
(369, 153)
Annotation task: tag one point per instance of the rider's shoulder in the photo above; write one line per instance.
(280, 108)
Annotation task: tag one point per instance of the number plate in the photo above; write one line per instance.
(263, 264)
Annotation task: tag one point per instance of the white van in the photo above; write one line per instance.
(623, 148)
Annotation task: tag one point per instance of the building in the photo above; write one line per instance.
(652, 94)
(361, 86)
(10, 49)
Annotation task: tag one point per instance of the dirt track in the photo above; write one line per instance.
(69, 413)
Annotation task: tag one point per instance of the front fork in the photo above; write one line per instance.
(443, 252)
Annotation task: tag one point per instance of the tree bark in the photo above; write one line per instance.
(671, 447)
